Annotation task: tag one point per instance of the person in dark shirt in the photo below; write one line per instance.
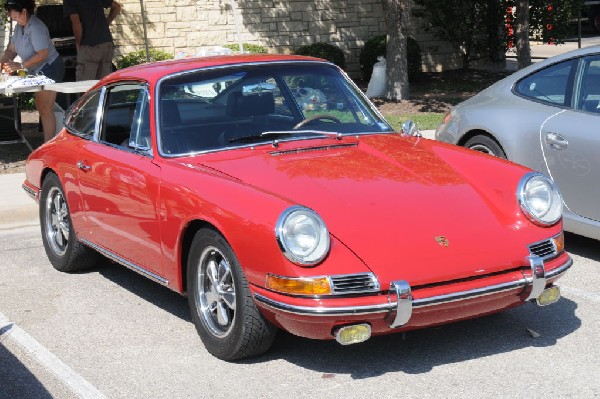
(94, 42)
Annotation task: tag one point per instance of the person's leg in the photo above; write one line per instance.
(87, 63)
(108, 51)
(44, 103)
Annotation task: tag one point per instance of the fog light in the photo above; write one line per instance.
(354, 334)
(548, 296)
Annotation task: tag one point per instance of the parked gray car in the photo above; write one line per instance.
(547, 117)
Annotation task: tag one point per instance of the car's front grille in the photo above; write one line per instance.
(354, 283)
(544, 249)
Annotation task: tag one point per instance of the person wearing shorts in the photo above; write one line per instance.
(94, 42)
(31, 42)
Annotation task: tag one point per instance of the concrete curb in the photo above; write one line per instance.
(17, 209)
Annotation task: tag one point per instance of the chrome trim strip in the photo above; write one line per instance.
(126, 263)
(391, 303)
(30, 191)
(559, 270)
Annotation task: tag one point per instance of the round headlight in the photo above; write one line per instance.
(302, 235)
(540, 200)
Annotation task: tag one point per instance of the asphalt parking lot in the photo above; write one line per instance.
(111, 333)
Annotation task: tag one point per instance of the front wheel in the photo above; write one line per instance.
(65, 252)
(222, 308)
(485, 144)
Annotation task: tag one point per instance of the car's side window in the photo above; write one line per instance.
(589, 88)
(82, 117)
(122, 115)
(552, 85)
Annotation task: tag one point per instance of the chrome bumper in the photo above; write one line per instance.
(400, 302)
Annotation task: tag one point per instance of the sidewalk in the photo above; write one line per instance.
(17, 209)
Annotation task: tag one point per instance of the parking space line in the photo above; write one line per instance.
(47, 359)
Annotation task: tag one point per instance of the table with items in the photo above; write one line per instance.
(12, 86)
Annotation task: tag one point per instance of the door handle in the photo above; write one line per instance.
(83, 166)
(556, 141)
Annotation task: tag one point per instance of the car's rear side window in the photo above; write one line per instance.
(589, 90)
(552, 85)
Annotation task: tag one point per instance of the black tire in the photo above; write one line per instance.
(595, 20)
(225, 315)
(65, 252)
(485, 144)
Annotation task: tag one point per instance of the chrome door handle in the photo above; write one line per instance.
(82, 165)
(556, 141)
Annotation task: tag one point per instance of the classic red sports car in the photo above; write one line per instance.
(272, 192)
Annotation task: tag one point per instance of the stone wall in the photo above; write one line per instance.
(182, 26)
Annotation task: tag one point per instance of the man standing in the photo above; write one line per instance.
(94, 42)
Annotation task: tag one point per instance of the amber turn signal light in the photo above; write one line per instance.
(299, 285)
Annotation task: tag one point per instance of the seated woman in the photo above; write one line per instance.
(31, 42)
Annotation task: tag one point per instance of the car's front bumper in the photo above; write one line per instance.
(403, 308)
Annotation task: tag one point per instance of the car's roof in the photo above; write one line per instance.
(153, 71)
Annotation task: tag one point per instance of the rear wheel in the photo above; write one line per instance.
(221, 305)
(485, 144)
(64, 251)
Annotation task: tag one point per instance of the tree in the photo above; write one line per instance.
(522, 33)
(397, 13)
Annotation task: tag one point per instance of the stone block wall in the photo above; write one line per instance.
(182, 26)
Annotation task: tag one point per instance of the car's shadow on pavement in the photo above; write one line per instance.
(582, 246)
(413, 352)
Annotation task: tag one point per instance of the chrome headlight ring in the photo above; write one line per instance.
(540, 199)
(302, 236)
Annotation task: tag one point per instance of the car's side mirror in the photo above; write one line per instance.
(410, 128)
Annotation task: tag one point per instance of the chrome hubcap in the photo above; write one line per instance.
(482, 148)
(216, 292)
(57, 221)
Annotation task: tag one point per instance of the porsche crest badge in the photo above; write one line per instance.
(443, 241)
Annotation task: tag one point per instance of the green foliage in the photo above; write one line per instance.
(324, 50)
(139, 57)
(248, 47)
(376, 46)
(461, 22)
(27, 101)
(550, 20)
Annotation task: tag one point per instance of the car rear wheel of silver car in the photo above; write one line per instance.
(222, 308)
(63, 249)
(485, 144)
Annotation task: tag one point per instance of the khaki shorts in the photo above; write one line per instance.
(94, 62)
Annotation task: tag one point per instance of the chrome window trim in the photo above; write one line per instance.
(245, 64)
(417, 303)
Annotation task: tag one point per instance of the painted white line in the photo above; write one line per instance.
(577, 292)
(49, 361)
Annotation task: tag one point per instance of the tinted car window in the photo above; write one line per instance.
(589, 92)
(552, 85)
(119, 122)
(81, 118)
(218, 109)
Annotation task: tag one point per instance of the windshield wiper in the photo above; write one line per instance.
(255, 137)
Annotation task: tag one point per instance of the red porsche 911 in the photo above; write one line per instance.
(272, 193)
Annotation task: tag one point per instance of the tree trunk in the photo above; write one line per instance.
(396, 14)
(522, 34)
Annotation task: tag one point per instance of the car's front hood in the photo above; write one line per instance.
(410, 208)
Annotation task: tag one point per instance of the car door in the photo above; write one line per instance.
(120, 182)
(571, 143)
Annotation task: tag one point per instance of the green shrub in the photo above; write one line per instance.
(376, 46)
(324, 50)
(139, 57)
(249, 47)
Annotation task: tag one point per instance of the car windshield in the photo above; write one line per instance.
(252, 104)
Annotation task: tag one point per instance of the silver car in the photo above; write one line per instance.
(547, 117)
